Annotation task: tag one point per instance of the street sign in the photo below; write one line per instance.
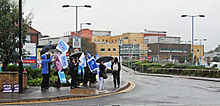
(76, 50)
(67, 54)
(76, 42)
(148, 57)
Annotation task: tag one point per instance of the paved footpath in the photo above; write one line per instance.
(172, 76)
(35, 93)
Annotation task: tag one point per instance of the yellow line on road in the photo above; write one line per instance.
(132, 86)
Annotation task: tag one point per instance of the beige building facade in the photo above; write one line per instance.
(109, 45)
(198, 50)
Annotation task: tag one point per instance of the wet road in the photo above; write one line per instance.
(153, 91)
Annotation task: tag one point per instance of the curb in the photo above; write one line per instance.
(176, 76)
(129, 86)
(185, 77)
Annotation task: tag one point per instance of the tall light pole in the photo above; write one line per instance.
(200, 44)
(20, 75)
(192, 16)
(65, 6)
(81, 24)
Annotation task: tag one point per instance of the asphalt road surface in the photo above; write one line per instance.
(151, 91)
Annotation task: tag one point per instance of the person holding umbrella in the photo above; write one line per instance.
(102, 74)
(45, 72)
(116, 67)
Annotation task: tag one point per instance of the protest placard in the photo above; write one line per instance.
(7, 88)
(62, 77)
(63, 60)
(62, 46)
(92, 64)
(16, 88)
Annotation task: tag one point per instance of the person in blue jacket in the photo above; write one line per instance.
(45, 71)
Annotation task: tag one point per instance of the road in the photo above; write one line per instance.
(153, 91)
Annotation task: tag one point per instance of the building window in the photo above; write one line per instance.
(102, 49)
(197, 50)
(109, 49)
(114, 49)
(98, 40)
(28, 38)
(112, 41)
(106, 40)
(125, 38)
(115, 40)
(102, 40)
(95, 40)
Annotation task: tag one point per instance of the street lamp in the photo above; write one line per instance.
(81, 24)
(20, 75)
(192, 16)
(200, 44)
(65, 6)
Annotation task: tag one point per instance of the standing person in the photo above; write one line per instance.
(45, 72)
(116, 67)
(102, 69)
(74, 64)
(58, 68)
(86, 76)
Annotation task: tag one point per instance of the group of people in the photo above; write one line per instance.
(88, 77)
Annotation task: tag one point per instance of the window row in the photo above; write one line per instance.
(109, 49)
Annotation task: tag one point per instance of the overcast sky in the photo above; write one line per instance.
(121, 16)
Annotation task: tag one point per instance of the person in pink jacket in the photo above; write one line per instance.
(58, 68)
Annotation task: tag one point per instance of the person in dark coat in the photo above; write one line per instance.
(74, 64)
(116, 67)
(86, 75)
(45, 72)
(102, 70)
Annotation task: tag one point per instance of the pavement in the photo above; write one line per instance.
(172, 76)
(35, 94)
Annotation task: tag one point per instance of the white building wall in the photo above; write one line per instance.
(162, 39)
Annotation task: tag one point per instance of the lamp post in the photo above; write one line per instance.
(81, 25)
(200, 44)
(20, 75)
(192, 16)
(65, 6)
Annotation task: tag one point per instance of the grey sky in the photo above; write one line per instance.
(122, 16)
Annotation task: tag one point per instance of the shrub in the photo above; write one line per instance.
(180, 66)
(12, 68)
(33, 73)
(169, 65)
(195, 67)
(35, 82)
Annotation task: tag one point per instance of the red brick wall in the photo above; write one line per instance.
(11, 78)
(86, 33)
(33, 38)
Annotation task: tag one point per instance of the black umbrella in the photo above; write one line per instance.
(47, 48)
(76, 55)
(105, 59)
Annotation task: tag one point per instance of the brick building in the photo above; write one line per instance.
(33, 35)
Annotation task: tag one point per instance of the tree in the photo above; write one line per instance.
(189, 57)
(87, 45)
(216, 59)
(208, 60)
(217, 49)
(182, 59)
(9, 32)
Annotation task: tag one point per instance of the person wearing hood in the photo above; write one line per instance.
(45, 72)
(74, 64)
(58, 68)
